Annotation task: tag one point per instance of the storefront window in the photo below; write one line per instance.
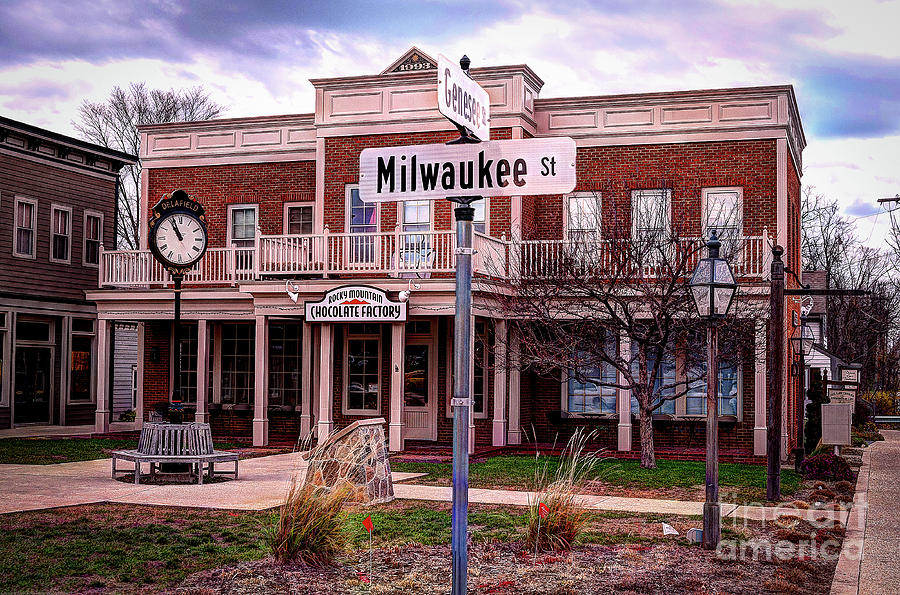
(695, 402)
(188, 376)
(665, 381)
(81, 368)
(591, 390)
(237, 363)
(285, 359)
(363, 365)
(479, 373)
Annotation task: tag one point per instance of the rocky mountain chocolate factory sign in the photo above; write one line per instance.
(356, 303)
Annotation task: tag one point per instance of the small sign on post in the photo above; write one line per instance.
(462, 100)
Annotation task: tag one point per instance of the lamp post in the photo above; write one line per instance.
(713, 288)
(802, 341)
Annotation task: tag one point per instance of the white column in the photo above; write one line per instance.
(499, 425)
(261, 383)
(202, 413)
(101, 417)
(759, 391)
(398, 349)
(326, 396)
(139, 404)
(624, 397)
(306, 361)
(515, 430)
(472, 385)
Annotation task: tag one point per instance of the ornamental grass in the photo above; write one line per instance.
(558, 489)
(309, 527)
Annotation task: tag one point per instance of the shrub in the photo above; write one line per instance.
(559, 492)
(127, 415)
(308, 527)
(844, 486)
(826, 466)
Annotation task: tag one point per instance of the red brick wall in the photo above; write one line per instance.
(269, 185)
(683, 168)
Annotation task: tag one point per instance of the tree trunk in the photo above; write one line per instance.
(648, 455)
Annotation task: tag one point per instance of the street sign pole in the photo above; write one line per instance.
(462, 398)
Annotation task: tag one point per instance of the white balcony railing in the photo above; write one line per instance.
(391, 254)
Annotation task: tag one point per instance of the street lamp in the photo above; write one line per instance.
(802, 341)
(713, 288)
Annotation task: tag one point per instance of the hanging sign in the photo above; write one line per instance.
(462, 100)
(356, 303)
(494, 168)
(850, 375)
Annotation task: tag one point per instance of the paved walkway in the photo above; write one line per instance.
(42, 431)
(263, 483)
(880, 566)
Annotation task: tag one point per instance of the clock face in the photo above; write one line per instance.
(180, 239)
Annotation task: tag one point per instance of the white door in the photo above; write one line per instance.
(419, 391)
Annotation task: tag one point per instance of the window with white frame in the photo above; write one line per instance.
(362, 365)
(93, 237)
(188, 351)
(298, 219)
(695, 399)
(362, 219)
(241, 225)
(416, 217)
(591, 388)
(237, 363)
(723, 213)
(664, 387)
(285, 361)
(81, 367)
(25, 228)
(479, 221)
(583, 216)
(60, 233)
(651, 214)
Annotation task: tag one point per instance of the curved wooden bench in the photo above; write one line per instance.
(176, 443)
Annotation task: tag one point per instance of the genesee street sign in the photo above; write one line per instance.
(494, 168)
(462, 100)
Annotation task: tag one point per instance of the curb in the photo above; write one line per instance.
(846, 573)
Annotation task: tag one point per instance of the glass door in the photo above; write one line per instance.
(418, 400)
(33, 384)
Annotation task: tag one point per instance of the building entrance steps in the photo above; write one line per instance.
(265, 480)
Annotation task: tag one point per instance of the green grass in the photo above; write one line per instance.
(120, 547)
(46, 451)
(518, 472)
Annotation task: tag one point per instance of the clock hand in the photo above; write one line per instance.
(177, 233)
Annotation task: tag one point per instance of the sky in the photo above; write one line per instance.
(256, 57)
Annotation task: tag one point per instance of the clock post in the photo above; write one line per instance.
(178, 240)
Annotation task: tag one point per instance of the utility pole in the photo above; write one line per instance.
(775, 377)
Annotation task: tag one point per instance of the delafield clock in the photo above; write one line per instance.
(178, 235)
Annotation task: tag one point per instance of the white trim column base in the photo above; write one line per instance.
(101, 415)
(624, 444)
(101, 422)
(326, 396)
(260, 432)
(514, 432)
(201, 418)
(760, 441)
(498, 427)
(261, 383)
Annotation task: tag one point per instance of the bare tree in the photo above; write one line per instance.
(113, 124)
(573, 299)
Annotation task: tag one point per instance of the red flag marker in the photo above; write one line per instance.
(543, 510)
(367, 523)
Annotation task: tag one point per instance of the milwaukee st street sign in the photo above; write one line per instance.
(493, 168)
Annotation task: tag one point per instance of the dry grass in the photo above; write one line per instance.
(309, 527)
(565, 519)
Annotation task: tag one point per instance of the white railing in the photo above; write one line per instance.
(397, 254)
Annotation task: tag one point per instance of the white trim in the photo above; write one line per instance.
(348, 188)
(293, 204)
(15, 227)
(487, 217)
(53, 208)
(566, 211)
(228, 223)
(704, 216)
(84, 237)
(345, 392)
(667, 193)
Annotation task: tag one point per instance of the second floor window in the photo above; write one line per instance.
(723, 214)
(583, 216)
(362, 219)
(300, 220)
(93, 234)
(25, 227)
(61, 234)
(479, 223)
(651, 214)
(242, 225)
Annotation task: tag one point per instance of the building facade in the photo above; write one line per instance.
(287, 228)
(57, 215)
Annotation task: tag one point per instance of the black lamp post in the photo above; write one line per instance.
(802, 341)
(713, 288)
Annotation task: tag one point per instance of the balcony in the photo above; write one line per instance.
(393, 254)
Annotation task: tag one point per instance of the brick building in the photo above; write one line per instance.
(285, 218)
(57, 212)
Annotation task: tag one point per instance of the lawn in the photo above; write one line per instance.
(518, 472)
(46, 451)
(122, 548)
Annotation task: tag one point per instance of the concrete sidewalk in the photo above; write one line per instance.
(880, 568)
(264, 482)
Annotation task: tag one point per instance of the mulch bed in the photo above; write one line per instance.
(506, 569)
